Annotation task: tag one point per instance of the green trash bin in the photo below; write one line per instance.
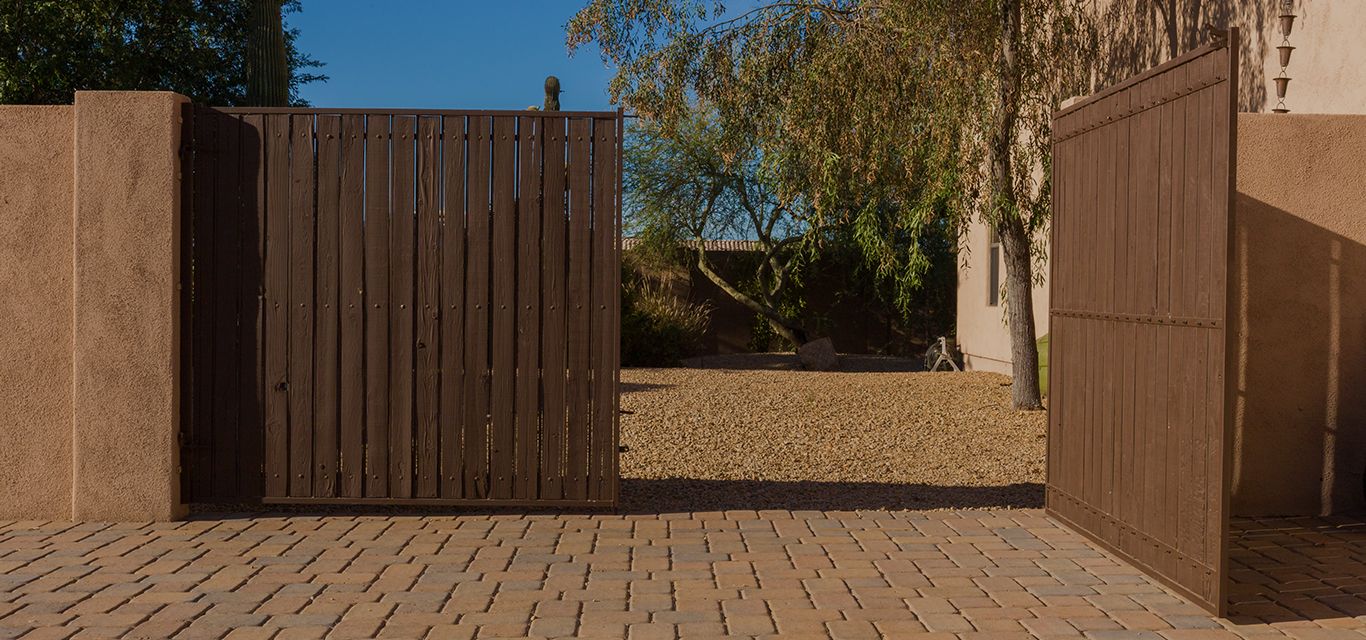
(1042, 344)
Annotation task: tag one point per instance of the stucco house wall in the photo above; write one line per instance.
(1327, 78)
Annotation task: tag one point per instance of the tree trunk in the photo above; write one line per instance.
(1024, 388)
(267, 60)
(1024, 352)
(789, 328)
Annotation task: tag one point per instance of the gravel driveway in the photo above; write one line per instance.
(754, 432)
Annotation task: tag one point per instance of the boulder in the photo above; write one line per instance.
(819, 355)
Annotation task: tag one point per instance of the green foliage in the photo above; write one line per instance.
(686, 182)
(657, 328)
(791, 303)
(923, 310)
(49, 49)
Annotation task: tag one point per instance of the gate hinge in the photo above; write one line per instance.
(1217, 37)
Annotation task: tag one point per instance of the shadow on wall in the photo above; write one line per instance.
(690, 494)
(1300, 312)
(1137, 35)
(224, 390)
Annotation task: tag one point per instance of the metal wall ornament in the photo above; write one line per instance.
(1287, 19)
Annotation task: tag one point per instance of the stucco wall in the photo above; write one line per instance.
(1300, 313)
(89, 250)
(1325, 70)
(36, 156)
(127, 222)
(983, 336)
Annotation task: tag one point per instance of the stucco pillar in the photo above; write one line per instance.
(126, 309)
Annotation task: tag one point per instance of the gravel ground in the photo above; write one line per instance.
(756, 432)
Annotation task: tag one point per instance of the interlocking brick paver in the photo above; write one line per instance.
(970, 575)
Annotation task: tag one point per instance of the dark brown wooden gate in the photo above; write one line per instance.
(1139, 445)
(401, 306)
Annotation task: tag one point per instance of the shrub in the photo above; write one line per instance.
(658, 329)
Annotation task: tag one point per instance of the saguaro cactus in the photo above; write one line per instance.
(267, 59)
(552, 94)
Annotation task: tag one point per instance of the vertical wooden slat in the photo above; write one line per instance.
(1204, 240)
(1060, 168)
(1097, 364)
(252, 196)
(1169, 340)
(301, 328)
(1112, 430)
(554, 270)
(528, 307)
(377, 306)
(201, 465)
(227, 288)
(1134, 208)
(351, 304)
(605, 296)
(402, 241)
(477, 374)
(185, 295)
(428, 307)
(1154, 451)
(276, 299)
(502, 454)
(1189, 509)
(618, 185)
(326, 427)
(1140, 201)
(579, 317)
(453, 398)
(1069, 185)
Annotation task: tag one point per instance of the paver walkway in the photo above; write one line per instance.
(969, 575)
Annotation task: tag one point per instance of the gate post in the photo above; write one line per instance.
(125, 347)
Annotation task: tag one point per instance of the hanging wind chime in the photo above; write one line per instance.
(1287, 22)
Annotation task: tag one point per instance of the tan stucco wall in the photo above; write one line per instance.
(982, 334)
(89, 251)
(1299, 310)
(35, 304)
(1325, 70)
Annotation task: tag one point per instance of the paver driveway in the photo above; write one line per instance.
(989, 574)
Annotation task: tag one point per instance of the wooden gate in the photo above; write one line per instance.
(399, 306)
(1139, 447)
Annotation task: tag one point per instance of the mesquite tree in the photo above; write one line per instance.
(683, 186)
(940, 107)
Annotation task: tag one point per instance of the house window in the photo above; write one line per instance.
(994, 288)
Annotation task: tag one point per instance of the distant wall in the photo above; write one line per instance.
(854, 325)
(89, 272)
(1299, 309)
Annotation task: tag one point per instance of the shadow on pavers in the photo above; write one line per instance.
(1296, 569)
(692, 494)
(681, 495)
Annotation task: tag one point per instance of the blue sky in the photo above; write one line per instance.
(434, 54)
